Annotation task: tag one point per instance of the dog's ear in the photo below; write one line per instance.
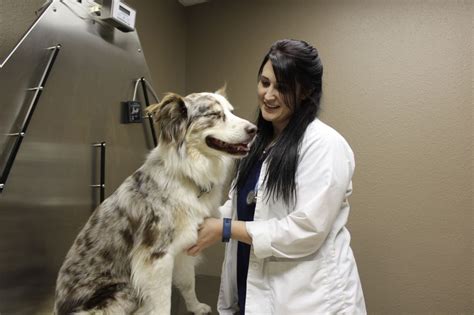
(170, 115)
(222, 91)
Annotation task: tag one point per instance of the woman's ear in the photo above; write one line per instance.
(222, 91)
(170, 115)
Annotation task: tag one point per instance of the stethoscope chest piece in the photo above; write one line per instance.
(251, 197)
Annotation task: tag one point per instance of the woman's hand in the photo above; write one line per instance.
(210, 232)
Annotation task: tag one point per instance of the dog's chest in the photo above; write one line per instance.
(189, 216)
(186, 232)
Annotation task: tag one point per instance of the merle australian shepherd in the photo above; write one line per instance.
(132, 248)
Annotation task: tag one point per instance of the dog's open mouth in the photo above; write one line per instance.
(231, 148)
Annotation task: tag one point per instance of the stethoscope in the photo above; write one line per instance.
(252, 195)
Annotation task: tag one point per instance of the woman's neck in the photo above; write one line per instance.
(277, 130)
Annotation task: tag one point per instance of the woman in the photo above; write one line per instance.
(289, 251)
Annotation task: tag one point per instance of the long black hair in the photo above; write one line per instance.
(298, 71)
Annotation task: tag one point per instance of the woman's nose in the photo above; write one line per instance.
(270, 94)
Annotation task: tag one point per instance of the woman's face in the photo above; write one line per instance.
(271, 101)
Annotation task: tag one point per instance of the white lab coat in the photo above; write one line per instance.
(301, 261)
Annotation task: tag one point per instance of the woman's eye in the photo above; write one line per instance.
(265, 83)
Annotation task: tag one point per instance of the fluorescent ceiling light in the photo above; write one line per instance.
(191, 2)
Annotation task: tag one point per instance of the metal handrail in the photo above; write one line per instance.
(29, 114)
(148, 85)
(101, 184)
(145, 87)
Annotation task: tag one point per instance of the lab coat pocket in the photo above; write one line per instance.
(297, 287)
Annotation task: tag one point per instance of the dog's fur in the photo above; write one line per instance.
(131, 250)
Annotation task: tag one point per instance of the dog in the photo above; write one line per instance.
(132, 248)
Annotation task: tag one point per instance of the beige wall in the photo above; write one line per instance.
(398, 86)
(161, 26)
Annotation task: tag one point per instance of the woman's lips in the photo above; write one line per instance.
(270, 107)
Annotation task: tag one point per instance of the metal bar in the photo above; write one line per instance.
(150, 118)
(26, 121)
(40, 87)
(15, 134)
(35, 88)
(145, 91)
(136, 89)
(102, 172)
(101, 184)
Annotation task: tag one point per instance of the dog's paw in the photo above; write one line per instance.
(200, 309)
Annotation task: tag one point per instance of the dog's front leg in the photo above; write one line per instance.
(184, 280)
(152, 278)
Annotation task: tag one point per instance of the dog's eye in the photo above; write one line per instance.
(213, 114)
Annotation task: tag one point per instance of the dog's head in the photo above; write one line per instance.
(203, 122)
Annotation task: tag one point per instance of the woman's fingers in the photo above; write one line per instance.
(193, 250)
(208, 234)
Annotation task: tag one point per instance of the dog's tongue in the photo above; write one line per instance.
(241, 147)
(238, 148)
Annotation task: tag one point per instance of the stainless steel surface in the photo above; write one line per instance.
(48, 197)
(19, 43)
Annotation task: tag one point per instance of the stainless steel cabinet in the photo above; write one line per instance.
(48, 196)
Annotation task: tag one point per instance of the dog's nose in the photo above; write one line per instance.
(251, 130)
